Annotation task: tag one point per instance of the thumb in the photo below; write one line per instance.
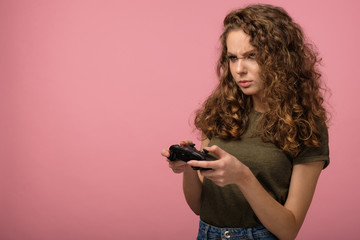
(217, 150)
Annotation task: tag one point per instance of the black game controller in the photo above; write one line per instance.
(187, 153)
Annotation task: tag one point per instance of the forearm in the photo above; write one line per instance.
(274, 216)
(192, 189)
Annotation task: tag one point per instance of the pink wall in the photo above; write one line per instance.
(92, 90)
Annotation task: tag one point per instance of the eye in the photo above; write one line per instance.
(252, 56)
(232, 58)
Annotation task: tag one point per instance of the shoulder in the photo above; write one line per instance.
(316, 154)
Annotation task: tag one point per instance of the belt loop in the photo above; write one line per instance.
(207, 226)
(250, 233)
(207, 230)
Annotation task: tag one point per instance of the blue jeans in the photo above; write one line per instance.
(208, 232)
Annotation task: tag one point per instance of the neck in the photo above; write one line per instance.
(259, 105)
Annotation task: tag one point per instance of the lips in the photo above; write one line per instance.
(244, 83)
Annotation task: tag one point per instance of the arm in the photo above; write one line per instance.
(283, 221)
(192, 180)
(192, 185)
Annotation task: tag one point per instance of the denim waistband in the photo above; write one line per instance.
(209, 232)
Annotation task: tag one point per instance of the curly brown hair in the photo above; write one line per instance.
(292, 88)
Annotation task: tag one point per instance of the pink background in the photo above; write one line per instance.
(91, 91)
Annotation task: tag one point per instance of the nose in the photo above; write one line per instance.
(241, 67)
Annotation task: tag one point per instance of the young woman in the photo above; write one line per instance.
(266, 124)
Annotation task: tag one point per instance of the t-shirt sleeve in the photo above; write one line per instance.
(315, 154)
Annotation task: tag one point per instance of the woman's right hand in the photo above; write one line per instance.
(177, 166)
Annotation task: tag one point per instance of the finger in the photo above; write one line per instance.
(186, 142)
(178, 170)
(214, 176)
(176, 164)
(165, 153)
(177, 167)
(203, 164)
(217, 150)
(208, 173)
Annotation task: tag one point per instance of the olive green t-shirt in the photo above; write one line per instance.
(227, 206)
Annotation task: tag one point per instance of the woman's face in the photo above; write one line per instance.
(243, 65)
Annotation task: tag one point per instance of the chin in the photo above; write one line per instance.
(249, 92)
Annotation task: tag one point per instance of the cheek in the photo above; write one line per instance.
(255, 68)
(232, 70)
(256, 74)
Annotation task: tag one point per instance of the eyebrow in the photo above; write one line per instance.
(244, 54)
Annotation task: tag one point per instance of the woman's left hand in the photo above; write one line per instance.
(226, 170)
